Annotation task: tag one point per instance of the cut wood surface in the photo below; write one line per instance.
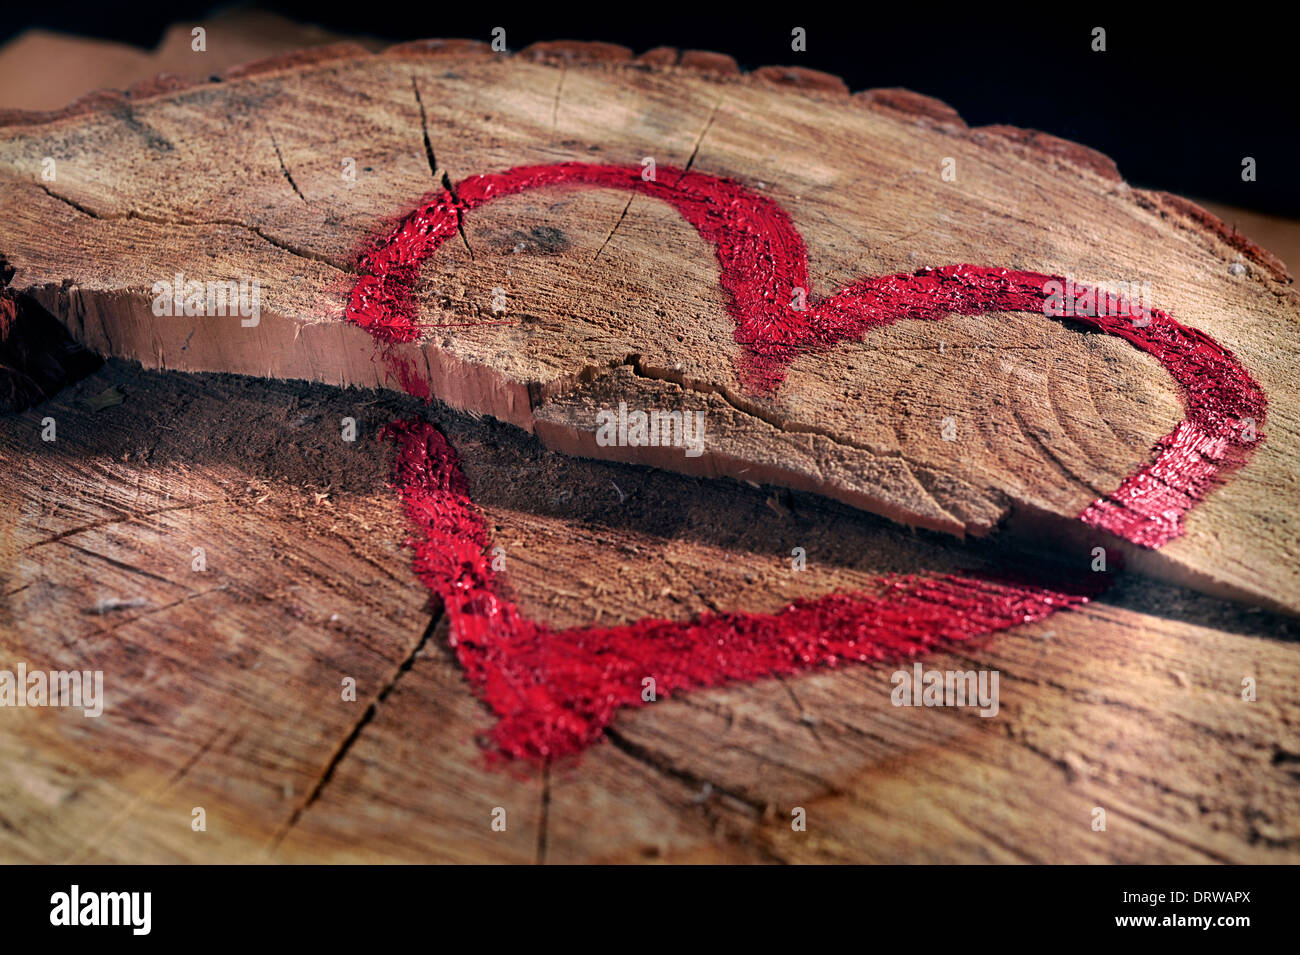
(612, 294)
(223, 686)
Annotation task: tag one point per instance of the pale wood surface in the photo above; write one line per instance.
(224, 686)
(1047, 419)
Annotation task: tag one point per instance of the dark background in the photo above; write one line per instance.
(1177, 100)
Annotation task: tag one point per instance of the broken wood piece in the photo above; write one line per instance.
(1132, 702)
(551, 305)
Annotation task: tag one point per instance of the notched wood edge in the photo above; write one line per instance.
(575, 51)
(898, 101)
(162, 84)
(1167, 204)
(894, 101)
(99, 101)
(310, 56)
(702, 61)
(1074, 153)
(797, 77)
(437, 48)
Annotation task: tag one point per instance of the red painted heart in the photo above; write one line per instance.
(556, 691)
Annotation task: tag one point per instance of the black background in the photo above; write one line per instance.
(335, 908)
(1178, 99)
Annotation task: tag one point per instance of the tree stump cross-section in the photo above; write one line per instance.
(547, 309)
(552, 298)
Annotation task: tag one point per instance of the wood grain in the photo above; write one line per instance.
(224, 690)
(224, 687)
(611, 295)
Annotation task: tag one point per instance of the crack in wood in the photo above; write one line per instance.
(738, 404)
(912, 467)
(341, 752)
(119, 564)
(432, 159)
(758, 810)
(114, 825)
(285, 169)
(123, 519)
(153, 610)
(699, 140)
(68, 202)
(622, 216)
(645, 755)
(135, 214)
(555, 103)
(805, 718)
(424, 128)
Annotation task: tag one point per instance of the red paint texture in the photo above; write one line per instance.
(763, 262)
(555, 691)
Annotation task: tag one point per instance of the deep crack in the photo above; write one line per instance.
(285, 169)
(615, 229)
(424, 128)
(197, 223)
(366, 718)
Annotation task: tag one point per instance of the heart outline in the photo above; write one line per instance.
(546, 707)
(763, 260)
